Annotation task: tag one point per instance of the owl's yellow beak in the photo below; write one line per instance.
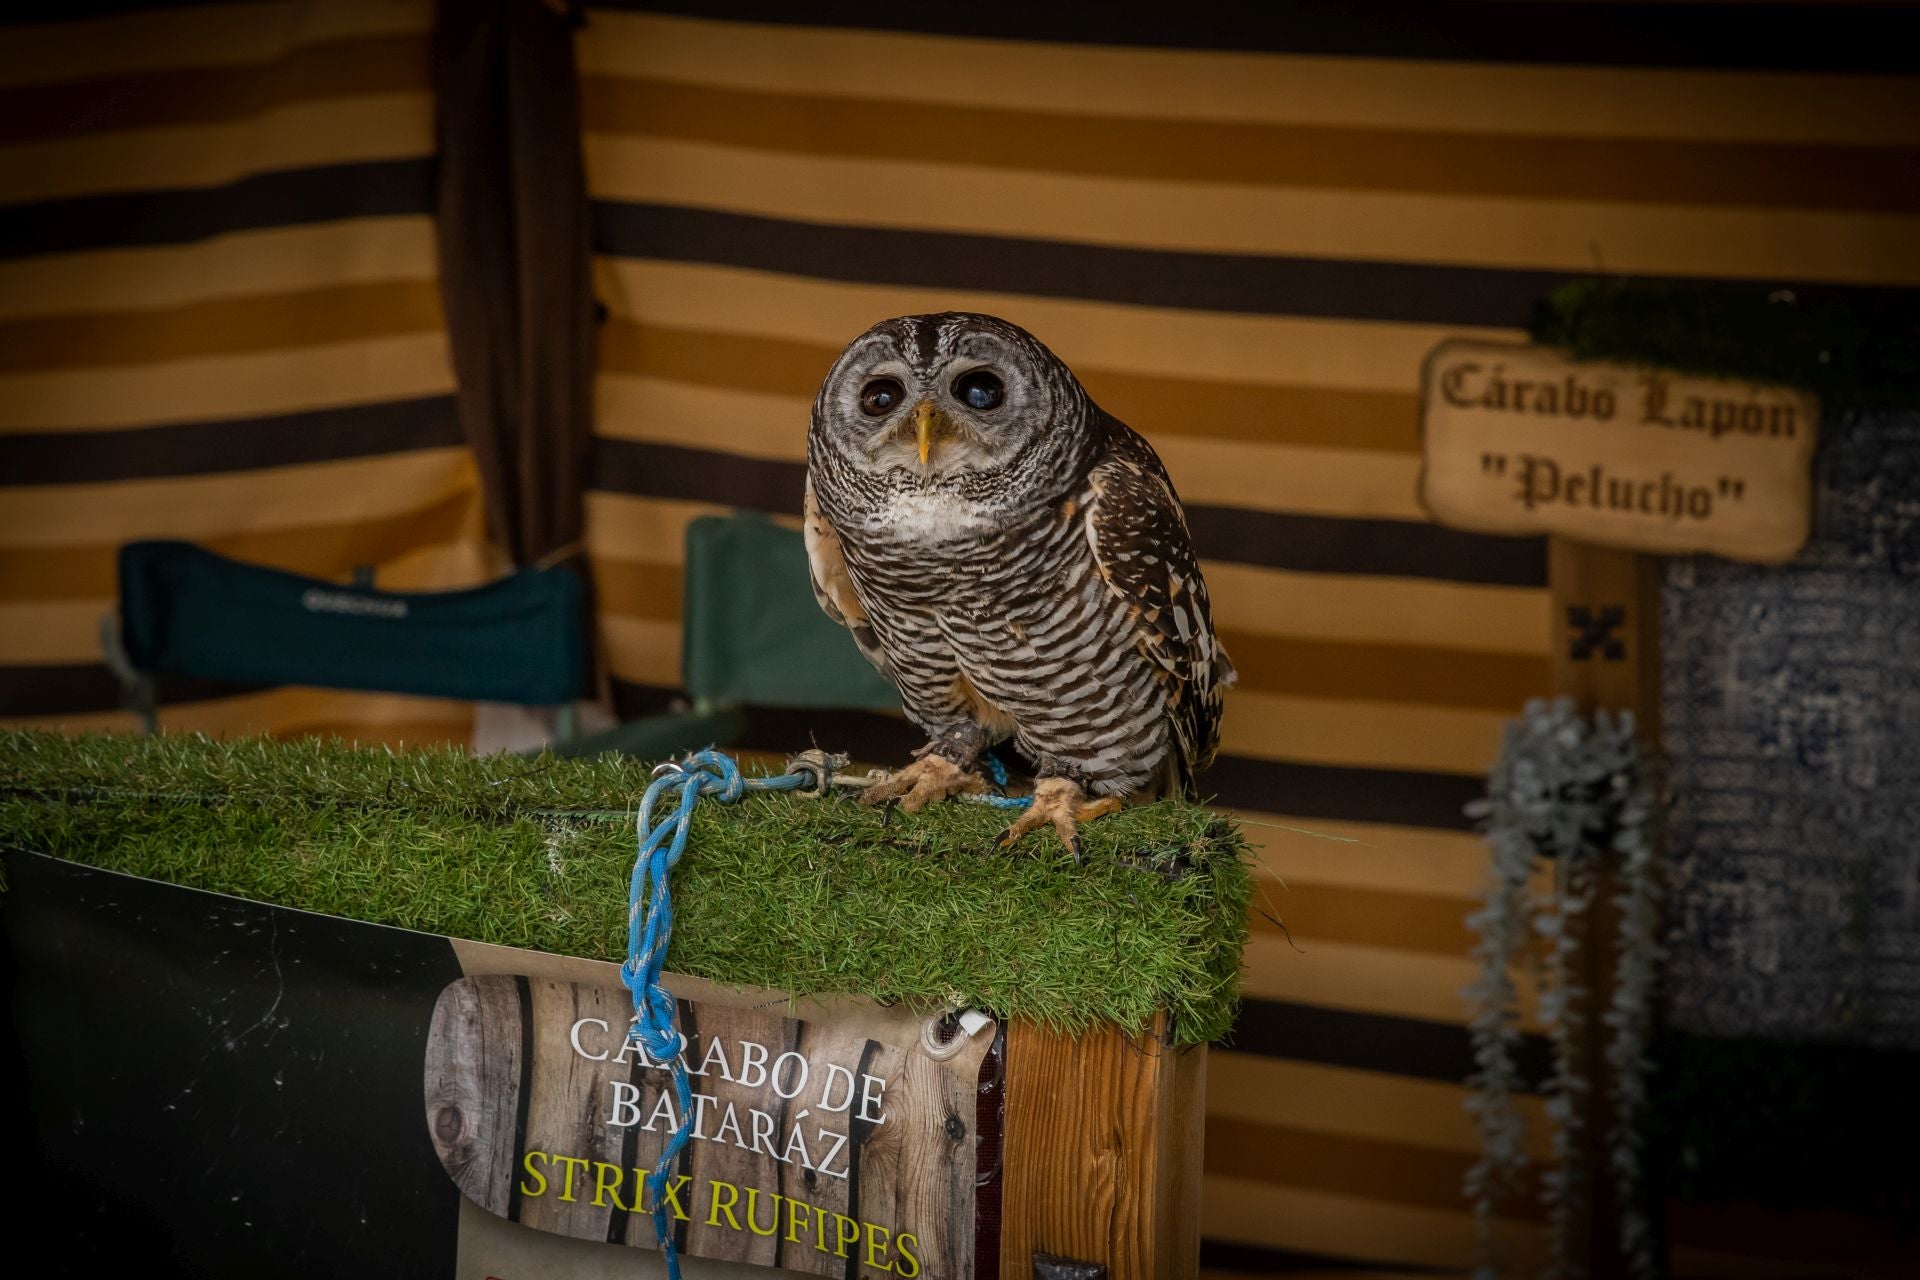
(923, 428)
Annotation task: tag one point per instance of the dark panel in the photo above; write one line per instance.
(1397, 797)
(1372, 1042)
(1386, 548)
(236, 444)
(26, 12)
(794, 729)
(1256, 1260)
(1779, 1122)
(289, 197)
(1312, 544)
(632, 700)
(229, 1088)
(1249, 284)
(866, 735)
(81, 687)
(1809, 37)
(697, 475)
(71, 689)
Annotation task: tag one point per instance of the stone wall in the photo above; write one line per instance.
(1792, 724)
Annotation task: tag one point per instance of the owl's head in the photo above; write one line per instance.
(954, 401)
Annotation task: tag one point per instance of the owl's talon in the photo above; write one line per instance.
(1060, 803)
(929, 779)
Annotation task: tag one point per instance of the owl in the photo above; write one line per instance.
(1016, 561)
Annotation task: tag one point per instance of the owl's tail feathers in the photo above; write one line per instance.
(1224, 673)
(1168, 781)
(1198, 740)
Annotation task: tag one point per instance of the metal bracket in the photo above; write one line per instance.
(824, 767)
(818, 765)
(1048, 1267)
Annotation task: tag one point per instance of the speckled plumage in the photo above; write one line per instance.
(1034, 579)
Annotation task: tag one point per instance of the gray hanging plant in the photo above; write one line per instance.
(1573, 790)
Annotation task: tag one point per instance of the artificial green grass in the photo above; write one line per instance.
(809, 896)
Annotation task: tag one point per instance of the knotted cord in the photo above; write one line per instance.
(650, 924)
(650, 917)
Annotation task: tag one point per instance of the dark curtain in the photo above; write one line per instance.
(514, 271)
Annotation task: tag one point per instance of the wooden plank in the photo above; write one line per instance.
(475, 1075)
(811, 1253)
(567, 1114)
(732, 1111)
(930, 1126)
(1606, 656)
(640, 1149)
(1102, 1153)
(1186, 1127)
(1606, 612)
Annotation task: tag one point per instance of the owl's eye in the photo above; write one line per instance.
(880, 397)
(979, 390)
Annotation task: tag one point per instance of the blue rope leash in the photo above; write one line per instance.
(997, 771)
(650, 921)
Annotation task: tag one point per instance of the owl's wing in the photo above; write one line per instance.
(832, 586)
(1145, 554)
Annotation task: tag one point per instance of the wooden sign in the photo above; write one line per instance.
(1524, 439)
(817, 1148)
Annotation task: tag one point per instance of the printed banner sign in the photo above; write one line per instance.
(818, 1146)
(1521, 439)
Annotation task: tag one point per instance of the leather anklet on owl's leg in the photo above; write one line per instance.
(1060, 801)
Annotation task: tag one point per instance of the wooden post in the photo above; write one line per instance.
(1606, 611)
(1606, 615)
(1102, 1155)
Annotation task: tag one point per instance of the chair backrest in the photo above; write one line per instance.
(187, 611)
(753, 631)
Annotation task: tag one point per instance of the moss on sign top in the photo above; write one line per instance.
(1857, 349)
(812, 896)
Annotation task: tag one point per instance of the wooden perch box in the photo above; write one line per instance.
(1103, 1153)
(383, 1027)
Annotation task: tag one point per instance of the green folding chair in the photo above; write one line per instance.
(752, 635)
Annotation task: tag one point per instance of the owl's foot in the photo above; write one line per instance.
(1060, 801)
(932, 777)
